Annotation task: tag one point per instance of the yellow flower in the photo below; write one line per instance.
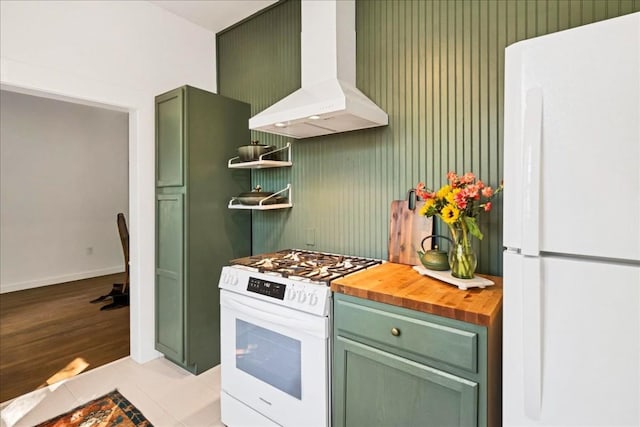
(451, 197)
(428, 204)
(442, 192)
(450, 214)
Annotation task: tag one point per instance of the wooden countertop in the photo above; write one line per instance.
(401, 285)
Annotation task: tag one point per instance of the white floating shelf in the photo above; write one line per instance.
(261, 207)
(262, 163)
(258, 164)
(235, 204)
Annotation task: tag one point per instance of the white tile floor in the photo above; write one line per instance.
(165, 393)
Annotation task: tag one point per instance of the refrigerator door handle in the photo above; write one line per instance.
(532, 335)
(532, 142)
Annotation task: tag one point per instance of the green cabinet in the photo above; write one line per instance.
(398, 367)
(196, 235)
(169, 283)
(170, 139)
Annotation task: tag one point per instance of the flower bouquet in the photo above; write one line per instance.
(458, 204)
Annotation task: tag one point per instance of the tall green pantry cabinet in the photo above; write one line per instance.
(196, 234)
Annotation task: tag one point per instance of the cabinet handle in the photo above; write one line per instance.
(395, 332)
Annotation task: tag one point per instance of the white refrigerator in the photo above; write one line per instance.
(571, 337)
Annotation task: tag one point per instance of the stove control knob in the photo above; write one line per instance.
(291, 293)
(231, 279)
(302, 297)
(313, 299)
(226, 278)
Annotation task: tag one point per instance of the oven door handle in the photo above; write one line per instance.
(314, 325)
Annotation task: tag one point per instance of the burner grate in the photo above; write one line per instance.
(307, 265)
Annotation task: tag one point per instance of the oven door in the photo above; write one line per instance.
(275, 360)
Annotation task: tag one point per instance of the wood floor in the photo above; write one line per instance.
(43, 329)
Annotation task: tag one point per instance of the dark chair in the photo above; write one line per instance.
(119, 294)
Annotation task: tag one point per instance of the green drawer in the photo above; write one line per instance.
(425, 339)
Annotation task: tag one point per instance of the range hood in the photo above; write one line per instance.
(328, 101)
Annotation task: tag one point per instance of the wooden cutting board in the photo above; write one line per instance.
(406, 230)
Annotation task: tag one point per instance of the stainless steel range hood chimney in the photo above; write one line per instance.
(328, 101)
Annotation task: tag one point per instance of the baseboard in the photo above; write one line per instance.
(12, 287)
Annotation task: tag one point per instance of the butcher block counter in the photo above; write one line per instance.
(402, 286)
(425, 351)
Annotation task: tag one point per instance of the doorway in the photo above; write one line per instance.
(65, 176)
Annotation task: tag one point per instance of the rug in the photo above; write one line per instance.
(110, 410)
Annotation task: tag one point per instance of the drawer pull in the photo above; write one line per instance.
(395, 332)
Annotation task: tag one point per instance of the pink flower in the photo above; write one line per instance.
(421, 191)
(451, 176)
(487, 191)
(487, 206)
(472, 192)
(461, 200)
(468, 178)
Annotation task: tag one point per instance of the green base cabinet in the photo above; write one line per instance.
(196, 234)
(398, 367)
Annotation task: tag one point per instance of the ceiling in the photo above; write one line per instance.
(213, 15)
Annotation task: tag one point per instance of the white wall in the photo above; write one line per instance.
(118, 54)
(64, 176)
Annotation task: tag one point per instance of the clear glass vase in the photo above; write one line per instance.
(462, 257)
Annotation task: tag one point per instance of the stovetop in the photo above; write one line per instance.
(306, 265)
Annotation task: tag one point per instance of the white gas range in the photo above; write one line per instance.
(275, 328)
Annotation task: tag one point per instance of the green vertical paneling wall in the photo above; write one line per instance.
(436, 67)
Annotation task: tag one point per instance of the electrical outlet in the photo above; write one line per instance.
(311, 236)
(90, 250)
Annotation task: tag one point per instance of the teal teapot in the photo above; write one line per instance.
(434, 259)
